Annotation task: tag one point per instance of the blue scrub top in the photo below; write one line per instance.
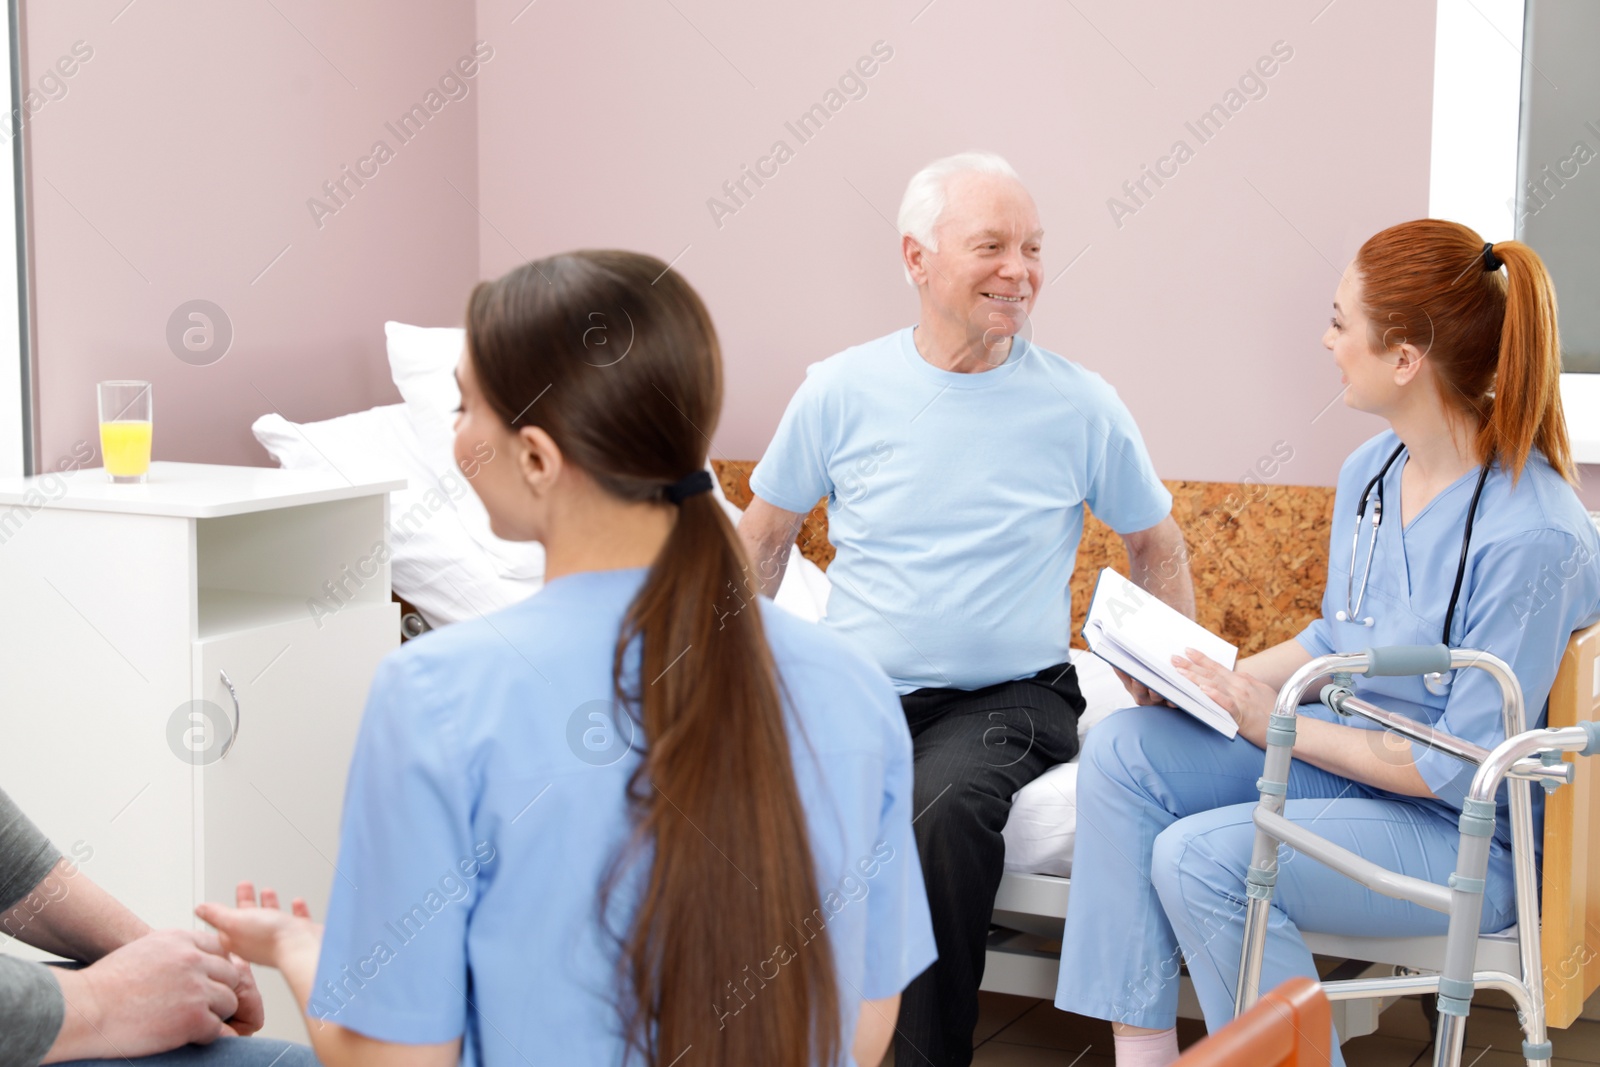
(1532, 578)
(486, 799)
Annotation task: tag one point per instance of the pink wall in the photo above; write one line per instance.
(1204, 308)
(1589, 493)
(178, 165)
(179, 162)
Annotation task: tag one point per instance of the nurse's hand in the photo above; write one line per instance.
(1248, 699)
(1141, 693)
(265, 934)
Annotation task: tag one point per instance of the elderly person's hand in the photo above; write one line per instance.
(1141, 693)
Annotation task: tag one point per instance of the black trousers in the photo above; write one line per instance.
(973, 749)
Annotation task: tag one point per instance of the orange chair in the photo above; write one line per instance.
(1288, 1027)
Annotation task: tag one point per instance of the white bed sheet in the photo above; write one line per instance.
(1043, 824)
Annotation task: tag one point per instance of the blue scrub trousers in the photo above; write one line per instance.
(1164, 841)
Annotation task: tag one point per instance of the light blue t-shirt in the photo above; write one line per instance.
(486, 799)
(1532, 578)
(955, 502)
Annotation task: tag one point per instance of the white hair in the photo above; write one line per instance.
(925, 198)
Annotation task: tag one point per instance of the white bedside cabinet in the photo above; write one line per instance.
(183, 666)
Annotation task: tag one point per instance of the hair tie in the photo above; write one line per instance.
(689, 485)
(1490, 260)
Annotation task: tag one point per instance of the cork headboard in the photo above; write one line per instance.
(1258, 553)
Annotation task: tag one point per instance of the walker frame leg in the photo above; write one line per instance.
(1263, 874)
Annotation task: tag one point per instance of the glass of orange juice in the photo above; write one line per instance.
(125, 421)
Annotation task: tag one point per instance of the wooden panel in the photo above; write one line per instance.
(1259, 553)
(1571, 904)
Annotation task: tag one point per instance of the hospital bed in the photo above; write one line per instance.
(1025, 942)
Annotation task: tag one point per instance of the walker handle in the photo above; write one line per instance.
(1399, 660)
(1593, 730)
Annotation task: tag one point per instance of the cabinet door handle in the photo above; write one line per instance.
(238, 717)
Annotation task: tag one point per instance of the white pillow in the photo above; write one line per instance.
(423, 361)
(436, 564)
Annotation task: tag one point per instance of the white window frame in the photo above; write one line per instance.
(1477, 108)
(1477, 111)
(17, 421)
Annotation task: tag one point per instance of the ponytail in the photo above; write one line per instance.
(732, 876)
(1526, 412)
(715, 954)
(1492, 339)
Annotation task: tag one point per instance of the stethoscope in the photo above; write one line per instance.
(1435, 683)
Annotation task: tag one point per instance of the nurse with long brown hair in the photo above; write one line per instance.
(642, 816)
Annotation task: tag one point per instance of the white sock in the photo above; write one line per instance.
(1147, 1050)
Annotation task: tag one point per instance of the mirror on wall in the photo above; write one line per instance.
(1557, 202)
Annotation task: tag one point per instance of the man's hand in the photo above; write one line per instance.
(165, 990)
(252, 1012)
(1141, 693)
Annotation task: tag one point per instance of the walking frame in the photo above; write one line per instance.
(1523, 758)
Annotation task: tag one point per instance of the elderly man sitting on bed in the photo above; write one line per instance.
(957, 458)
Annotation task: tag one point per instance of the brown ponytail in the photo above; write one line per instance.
(631, 363)
(1492, 339)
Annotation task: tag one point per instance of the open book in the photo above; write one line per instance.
(1138, 634)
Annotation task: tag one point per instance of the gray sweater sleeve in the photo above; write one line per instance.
(26, 855)
(31, 1011)
(31, 1008)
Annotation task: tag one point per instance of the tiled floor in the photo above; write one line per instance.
(1019, 1032)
